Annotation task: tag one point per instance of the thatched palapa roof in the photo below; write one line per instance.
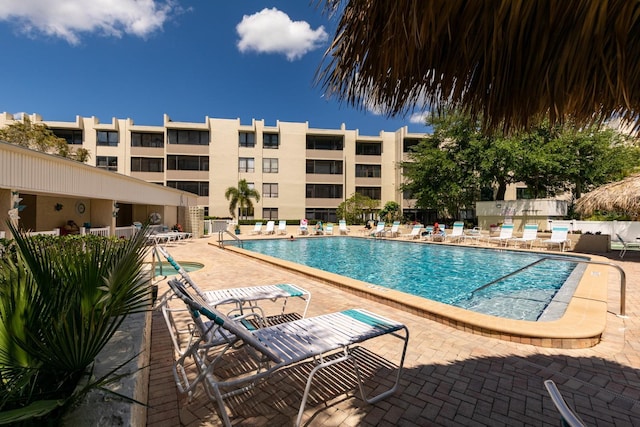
(619, 196)
(507, 61)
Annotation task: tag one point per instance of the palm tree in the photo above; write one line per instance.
(241, 197)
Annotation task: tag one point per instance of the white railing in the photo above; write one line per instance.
(126, 232)
(101, 231)
(54, 232)
(628, 230)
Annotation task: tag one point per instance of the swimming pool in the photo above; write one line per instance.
(449, 274)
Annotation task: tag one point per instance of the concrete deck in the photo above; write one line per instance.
(451, 377)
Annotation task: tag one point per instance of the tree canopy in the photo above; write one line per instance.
(356, 208)
(37, 136)
(459, 164)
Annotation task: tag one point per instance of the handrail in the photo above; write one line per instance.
(623, 276)
(221, 239)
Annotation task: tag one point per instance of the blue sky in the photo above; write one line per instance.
(189, 59)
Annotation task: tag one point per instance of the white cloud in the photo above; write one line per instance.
(272, 31)
(420, 117)
(68, 19)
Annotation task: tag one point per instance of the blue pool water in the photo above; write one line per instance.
(448, 274)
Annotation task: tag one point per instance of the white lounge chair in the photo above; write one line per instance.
(282, 227)
(394, 231)
(304, 227)
(559, 236)
(415, 232)
(325, 340)
(270, 229)
(342, 227)
(474, 235)
(506, 233)
(626, 245)
(457, 232)
(529, 236)
(329, 228)
(257, 228)
(379, 231)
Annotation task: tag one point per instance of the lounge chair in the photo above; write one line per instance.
(257, 228)
(559, 236)
(271, 225)
(626, 245)
(304, 227)
(457, 232)
(567, 416)
(506, 233)
(529, 236)
(342, 227)
(427, 234)
(282, 227)
(325, 340)
(329, 229)
(394, 231)
(474, 235)
(414, 233)
(379, 231)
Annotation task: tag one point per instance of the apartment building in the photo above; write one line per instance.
(299, 171)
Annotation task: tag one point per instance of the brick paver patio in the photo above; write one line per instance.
(451, 377)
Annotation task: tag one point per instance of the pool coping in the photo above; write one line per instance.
(581, 326)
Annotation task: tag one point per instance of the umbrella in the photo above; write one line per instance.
(619, 196)
(510, 62)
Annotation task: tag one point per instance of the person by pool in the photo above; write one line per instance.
(318, 228)
(291, 237)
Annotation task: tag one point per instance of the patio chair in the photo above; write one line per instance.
(529, 235)
(304, 227)
(559, 236)
(282, 227)
(457, 232)
(506, 233)
(326, 340)
(626, 245)
(329, 229)
(394, 231)
(257, 228)
(568, 417)
(270, 229)
(414, 233)
(474, 235)
(379, 231)
(342, 227)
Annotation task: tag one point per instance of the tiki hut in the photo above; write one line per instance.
(620, 196)
(509, 62)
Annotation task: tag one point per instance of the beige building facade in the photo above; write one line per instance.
(299, 171)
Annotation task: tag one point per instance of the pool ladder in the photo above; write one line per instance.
(623, 277)
(221, 238)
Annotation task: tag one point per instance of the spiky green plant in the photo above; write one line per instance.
(61, 300)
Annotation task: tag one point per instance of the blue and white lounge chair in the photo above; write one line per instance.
(326, 340)
(529, 236)
(457, 232)
(270, 229)
(328, 230)
(415, 232)
(282, 227)
(342, 227)
(506, 233)
(394, 231)
(257, 228)
(379, 231)
(559, 236)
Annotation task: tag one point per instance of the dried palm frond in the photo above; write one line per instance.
(510, 62)
(619, 196)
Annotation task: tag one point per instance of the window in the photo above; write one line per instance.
(109, 163)
(188, 137)
(147, 164)
(524, 193)
(201, 188)
(408, 143)
(147, 139)
(368, 171)
(108, 138)
(247, 139)
(246, 164)
(72, 136)
(374, 193)
(324, 142)
(187, 163)
(270, 165)
(322, 214)
(270, 213)
(369, 148)
(324, 191)
(269, 190)
(327, 167)
(270, 140)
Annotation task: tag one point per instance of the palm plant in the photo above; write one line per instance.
(241, 197)
(61, 300)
